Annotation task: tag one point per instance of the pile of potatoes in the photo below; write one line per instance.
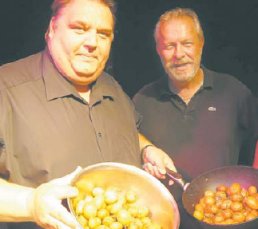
(110, 208)
(228, 205)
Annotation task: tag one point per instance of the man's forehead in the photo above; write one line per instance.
(178, 21)
(87, 12)
(77, 6)
(175, 26)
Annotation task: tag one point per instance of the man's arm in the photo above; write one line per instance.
(14, 202)
(42, 205)
(255, 163)
(155, 159)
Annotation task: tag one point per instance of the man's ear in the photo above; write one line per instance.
(51, 28)
(203, 42)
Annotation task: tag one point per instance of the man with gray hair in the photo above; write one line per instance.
(60, 110)
(202, 118)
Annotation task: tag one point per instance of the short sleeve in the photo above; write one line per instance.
(248, 120)
(3, 157)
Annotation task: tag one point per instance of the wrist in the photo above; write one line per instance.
(29, 203)
(145, 148)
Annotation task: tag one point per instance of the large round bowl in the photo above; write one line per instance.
(150, 191)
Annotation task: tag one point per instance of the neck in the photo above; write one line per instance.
(187, 90)
(84, 92)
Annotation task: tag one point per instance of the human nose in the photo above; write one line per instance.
(179, 52)
(90, 41)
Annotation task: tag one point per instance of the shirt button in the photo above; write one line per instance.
(99, 134)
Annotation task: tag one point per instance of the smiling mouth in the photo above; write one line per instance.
(180, 65)
(87, 57)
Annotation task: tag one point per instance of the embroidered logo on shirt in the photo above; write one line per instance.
(212, 109)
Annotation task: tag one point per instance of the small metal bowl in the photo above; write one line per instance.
(151, 192)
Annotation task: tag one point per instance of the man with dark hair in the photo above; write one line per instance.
(58, 110)
(202, 118)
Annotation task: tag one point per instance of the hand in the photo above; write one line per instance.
(156, 161)
(46, 207)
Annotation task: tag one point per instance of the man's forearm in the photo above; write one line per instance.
(255, 162)
(143, 141)
(14, 202)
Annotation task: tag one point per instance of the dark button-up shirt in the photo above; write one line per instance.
(47, 129)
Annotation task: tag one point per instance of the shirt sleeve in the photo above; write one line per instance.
(248, 121)
(3, 170)
(255, 164)
(2, 159)
(138, 118)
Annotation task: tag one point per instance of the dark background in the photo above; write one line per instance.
(230, 28)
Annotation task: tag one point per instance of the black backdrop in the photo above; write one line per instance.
(230, 28)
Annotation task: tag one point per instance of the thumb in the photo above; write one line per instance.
(63, 192)
(169, 164)
(67, 180)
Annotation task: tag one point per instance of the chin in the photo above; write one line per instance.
(85, 71)
(83, 81)
(85, 68)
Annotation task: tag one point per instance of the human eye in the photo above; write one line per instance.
(169, 46)
(78, 29)
(104, 34)
(188, 44)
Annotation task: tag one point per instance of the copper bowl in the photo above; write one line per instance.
(245, 175)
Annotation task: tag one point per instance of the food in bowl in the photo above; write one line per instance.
(139, 186)
(228, 205)
(110, 207)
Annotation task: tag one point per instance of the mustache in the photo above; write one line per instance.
(87, 55)
(180, 63)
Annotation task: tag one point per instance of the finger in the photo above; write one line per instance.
(169, 164)
(63, 218)
(55, 224)
(158, 173)
(64, 191)
(148, 168)
(66, 180)
(170, 182)
(153, 170)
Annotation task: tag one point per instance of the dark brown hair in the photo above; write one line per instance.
(58, 4)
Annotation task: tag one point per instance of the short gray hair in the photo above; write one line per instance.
(177, 13)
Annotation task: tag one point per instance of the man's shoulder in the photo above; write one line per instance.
(20, 71)
(153, 88)
(109, 82)
(225, 81)
(150, 90)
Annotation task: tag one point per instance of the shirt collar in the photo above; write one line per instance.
(165, 92)
(103, 88)
(58, 86)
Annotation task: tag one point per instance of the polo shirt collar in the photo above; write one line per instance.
(103, 88)
(165, 92)
(58, 86)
